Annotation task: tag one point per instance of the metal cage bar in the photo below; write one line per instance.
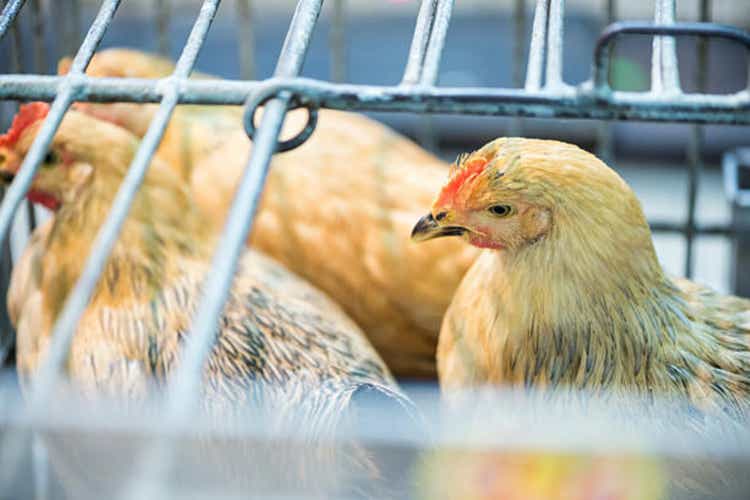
(10, 11)
(337, 41)
(162, 12)
(553, 73)
(246, 39)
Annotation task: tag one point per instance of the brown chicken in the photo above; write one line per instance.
(569, 292)
(278, 333)
(336, 210)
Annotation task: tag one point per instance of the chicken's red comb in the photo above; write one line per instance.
(469, 170)
(26, 116)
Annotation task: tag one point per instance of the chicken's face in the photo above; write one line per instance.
(475, 206)
(67, 168)
(511, 193)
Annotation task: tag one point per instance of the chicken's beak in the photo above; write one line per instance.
(428, 228)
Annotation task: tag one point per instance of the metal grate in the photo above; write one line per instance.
(544, 94)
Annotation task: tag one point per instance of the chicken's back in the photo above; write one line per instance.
(338, 211)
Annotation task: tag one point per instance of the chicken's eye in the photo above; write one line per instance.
(501, 210)
(50, 159)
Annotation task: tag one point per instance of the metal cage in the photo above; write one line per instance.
(542, 94)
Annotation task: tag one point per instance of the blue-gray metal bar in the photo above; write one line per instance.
(434, 52)
(337, 41)
(555, 30)
(40, 67)
(13, 446)
(537, 46)
(695, 145)
(162, 26)
(601, 64)
(9, 14)
(245, 39)
(239, 221)
(664, 73)
(519, 39)
(419, 42)
(604, 149)
(184, 390)
(582, 102)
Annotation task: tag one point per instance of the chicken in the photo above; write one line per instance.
(337, 210)
(281, 341)
(569, 293)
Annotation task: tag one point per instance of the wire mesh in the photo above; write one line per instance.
(544, 94)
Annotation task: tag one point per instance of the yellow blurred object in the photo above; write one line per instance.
(459, 474)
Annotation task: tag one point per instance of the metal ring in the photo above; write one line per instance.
(262, 96)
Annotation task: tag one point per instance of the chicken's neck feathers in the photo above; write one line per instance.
(162, 233)
(599, 314)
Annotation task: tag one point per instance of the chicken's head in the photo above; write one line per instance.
(80, 143)
(515, 192)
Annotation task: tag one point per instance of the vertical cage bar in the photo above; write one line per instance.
(41, 472)
(695, 146)
(665, 75)
(604, 146)
(535, 64)
(431, 67)
(7, 334)
(37, 22)
(162, 26)
(67, 25)
(246, 39)
(555, 36)
(40, 67)
(519, 35)
(75, 26)
(337, 42)
(16, 49)
(184, 390)
(422, 33)
(13, 445)
(240, 218)
(10, 11)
